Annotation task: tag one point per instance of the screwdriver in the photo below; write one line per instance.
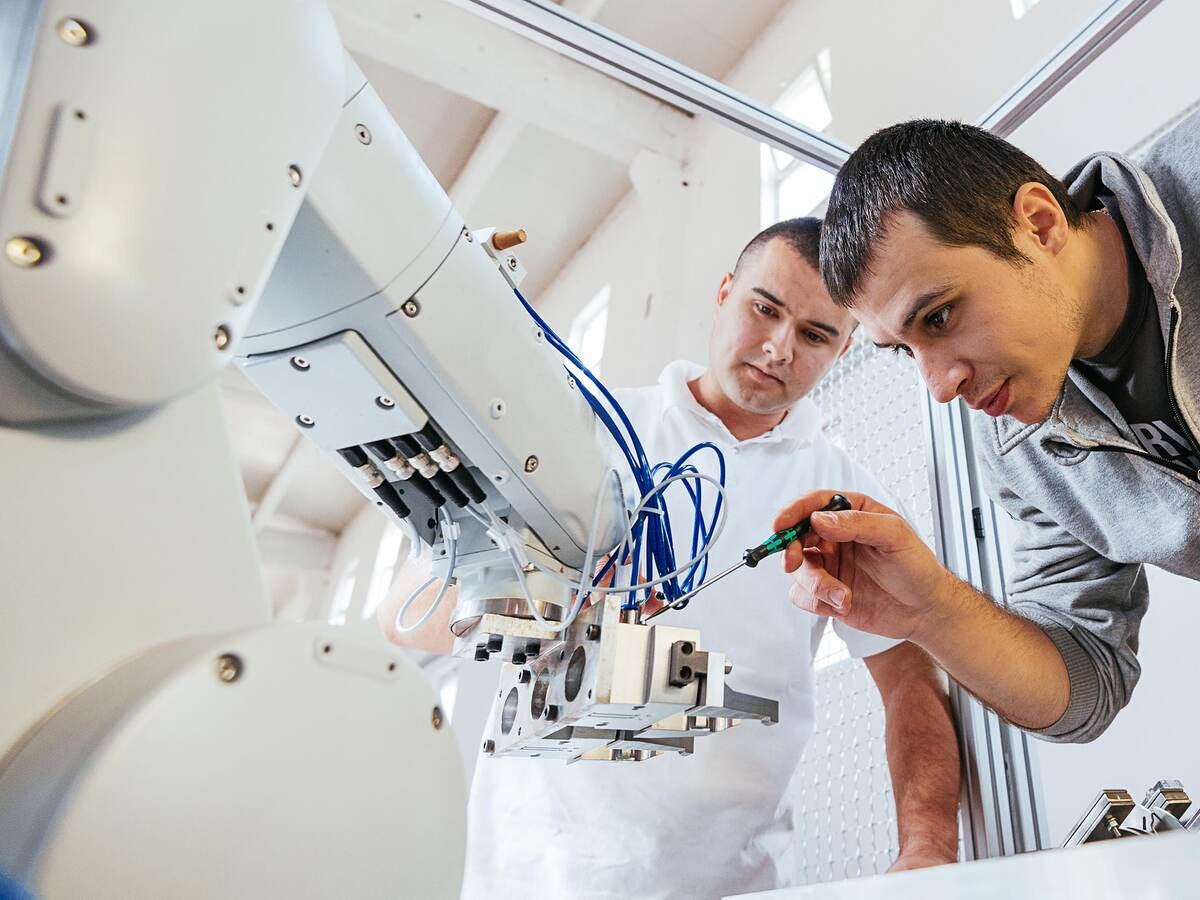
(777, 542)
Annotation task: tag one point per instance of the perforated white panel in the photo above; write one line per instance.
(872, 406)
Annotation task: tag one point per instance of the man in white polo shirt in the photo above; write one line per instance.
(720, 822)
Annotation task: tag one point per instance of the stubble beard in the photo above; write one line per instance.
(1070, 317)
(760, 401)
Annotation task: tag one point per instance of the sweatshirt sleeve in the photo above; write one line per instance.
(1090, 607)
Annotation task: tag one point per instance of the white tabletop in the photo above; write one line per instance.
(1154, 866)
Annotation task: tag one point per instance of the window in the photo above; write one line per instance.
(386, 562)
(830, 650)
(792, 187)
(344, 593)
(1020, 7)
(589, 329)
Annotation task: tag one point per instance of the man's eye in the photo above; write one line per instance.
(815, 337)
(939, 318)
(902, 348)
(764, 309)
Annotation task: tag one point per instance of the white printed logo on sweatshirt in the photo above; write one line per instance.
(1162, 441)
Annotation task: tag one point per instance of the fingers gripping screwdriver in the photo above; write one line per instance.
(776, 543)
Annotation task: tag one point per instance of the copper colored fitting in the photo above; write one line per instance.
(502, 240)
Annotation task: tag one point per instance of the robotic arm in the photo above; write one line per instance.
(183, 185)
(392, 336)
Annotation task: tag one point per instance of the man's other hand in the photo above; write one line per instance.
(865, 566)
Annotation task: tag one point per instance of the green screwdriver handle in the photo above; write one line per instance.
(782, 539)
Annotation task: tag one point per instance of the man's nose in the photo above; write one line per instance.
(944, 377)
(779, 346)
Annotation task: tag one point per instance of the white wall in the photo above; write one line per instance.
(664, 251)
(1156, 736)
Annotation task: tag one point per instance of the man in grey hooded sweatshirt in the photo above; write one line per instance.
(1068, 313)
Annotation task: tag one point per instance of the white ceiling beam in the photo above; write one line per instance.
(552, 26)
(502, 132)
(444, 44)
(310, 550)
(489, 153)
(278, 488)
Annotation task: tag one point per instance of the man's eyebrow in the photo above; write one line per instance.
(815, 323)
(922, 301)
(769, 296)
(919, 304)
(823, 326)
(832, 330)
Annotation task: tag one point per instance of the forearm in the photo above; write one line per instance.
(1006, 661)
(923, 756)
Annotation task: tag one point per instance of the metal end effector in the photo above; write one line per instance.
(611, 688)
(1115, 814)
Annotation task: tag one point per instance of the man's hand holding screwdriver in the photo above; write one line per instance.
(865, 566)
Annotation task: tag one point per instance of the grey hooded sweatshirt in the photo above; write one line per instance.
(1091, 506)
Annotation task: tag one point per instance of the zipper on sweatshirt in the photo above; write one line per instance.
(1183, 423)
(1186, 471)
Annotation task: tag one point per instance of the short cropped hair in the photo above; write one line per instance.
(959, 180)
(803, 235)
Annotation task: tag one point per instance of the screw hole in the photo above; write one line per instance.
(61, 200)
(270, 226)
(391, 667)
(328, 648)
(80, 114)
(240, 289)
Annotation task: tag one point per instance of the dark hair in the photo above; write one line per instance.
(803, 235)
(959, 180)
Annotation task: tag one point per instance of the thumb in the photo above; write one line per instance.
(883, 531)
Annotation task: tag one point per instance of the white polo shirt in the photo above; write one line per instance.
(717, 822)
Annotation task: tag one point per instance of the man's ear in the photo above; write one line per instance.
(724, 288)
(1039, 218)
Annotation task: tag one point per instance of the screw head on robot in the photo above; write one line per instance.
(24, 252)
(73, 32)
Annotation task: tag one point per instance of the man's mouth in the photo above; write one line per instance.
(762, 375)
(995, 403)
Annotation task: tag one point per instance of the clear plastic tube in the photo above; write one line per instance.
(448, 530)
